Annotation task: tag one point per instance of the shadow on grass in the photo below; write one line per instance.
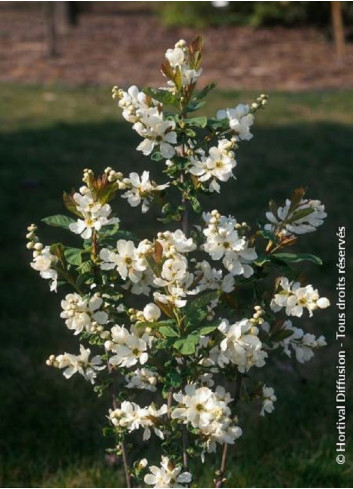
(47, 422)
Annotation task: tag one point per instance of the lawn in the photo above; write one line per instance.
(51, 428)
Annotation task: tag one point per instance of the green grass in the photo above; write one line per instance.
(51, 428)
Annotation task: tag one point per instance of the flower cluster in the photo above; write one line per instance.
(141, 189)
(240, 346)
(146, 115)
(130, 417)
(223, 240)
(127, 259)
(302, 344)
(128, 348)
(83, 313)
(43, 259)
(167, 475)
(240, 120)
(295, 298)
(142, 378)
(179, 59)
(290, 220)
(95, 214)
(268, 400)
(78, 364)
(208, 411)
(215, 165)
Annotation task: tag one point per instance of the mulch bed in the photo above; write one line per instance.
(123, 43)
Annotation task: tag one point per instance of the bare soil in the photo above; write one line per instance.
(122, 43)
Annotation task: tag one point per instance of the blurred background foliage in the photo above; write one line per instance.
(256, 14)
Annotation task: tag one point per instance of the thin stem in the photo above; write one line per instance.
(185, 450)
(222, 471)
(126, 465)
(122, 444)
(220, 476)
(169, 402)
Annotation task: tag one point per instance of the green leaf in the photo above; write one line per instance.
(195, 317)
(187, 346)
(173, 379)
(294, 258)
(57, 249)
(262, 259)
(70, 204)
(202, 301)
(207, 329)
(109, 230)
(268, 235)
(205, 91)
(281, 335)
(73, 255)
(194, 105)
(164, 96)
(195, 204)
(196, 121)
(300, 214)
(59, 221)
(168, 332)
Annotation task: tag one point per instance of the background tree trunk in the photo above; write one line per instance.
(338, 30)
(49, 20)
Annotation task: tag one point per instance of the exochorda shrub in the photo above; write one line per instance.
(218, 299)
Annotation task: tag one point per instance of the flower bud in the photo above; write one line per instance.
(151, 312)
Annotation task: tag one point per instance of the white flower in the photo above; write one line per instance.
(157, 132)
(151, 312)
(241, 345)
(213, 279)
(269, 399)
(173, 270)
(127, 260)
(133, 102)
(128, 347)
(80, 313)
(209, 412)
(175, 242)
(240, 120)
(217, 165)
(141, 190)
(42, 262)
(175, 296)
(148, 121)
(132, 351)
(295, 298)
(130, 417)
(306, 217)
(95, 215)
(79, 364)
(167, 475)
(303, 344)
(178, 58)
(142, 378)
(224, 241)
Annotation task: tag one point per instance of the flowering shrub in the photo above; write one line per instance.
(176, 324)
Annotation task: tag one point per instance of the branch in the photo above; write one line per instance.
(122, 444)
(220, 476)
(126, 465)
